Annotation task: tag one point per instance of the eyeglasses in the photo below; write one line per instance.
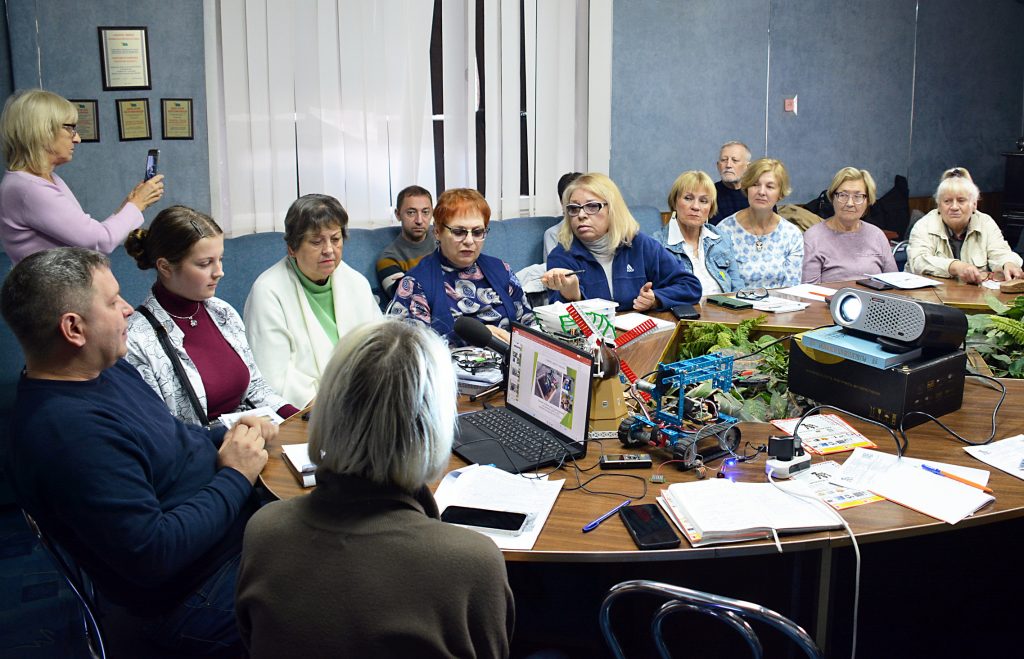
(460, 233)
(752, 294)
(590, 208)
(71, 128)
(857, 198)
(412, 212)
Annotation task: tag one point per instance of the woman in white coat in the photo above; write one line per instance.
(299, 308)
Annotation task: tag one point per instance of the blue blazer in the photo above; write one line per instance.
(634, 265)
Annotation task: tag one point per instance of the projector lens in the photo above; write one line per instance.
(849, 309)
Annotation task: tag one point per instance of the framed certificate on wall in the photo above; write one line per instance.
(176, 118)
(133, 119)
(124, 58)
(88, 119)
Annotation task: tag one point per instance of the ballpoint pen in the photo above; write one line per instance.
(958, 479)
(597, 522)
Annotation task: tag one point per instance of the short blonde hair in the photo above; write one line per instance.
(958, 184)
(693, 181)
(386, 406)
(853, 174)
(29, 125)
(763, 166)
(622, 226)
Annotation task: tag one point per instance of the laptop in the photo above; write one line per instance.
(547, 407)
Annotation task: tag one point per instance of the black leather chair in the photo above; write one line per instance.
(732, 612)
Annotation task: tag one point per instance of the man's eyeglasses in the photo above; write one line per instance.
(752, 294)
(857, 198)
(590, 208)
(460, 233)
(71, 128)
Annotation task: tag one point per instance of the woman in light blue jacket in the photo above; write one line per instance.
(702, 251)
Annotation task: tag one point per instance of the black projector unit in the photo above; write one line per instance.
(931, 384)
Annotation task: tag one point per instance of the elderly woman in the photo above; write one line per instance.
(299, 308)
(456, 279)
(769, 249)
(701, 249)
(955, 240)
(188, 345)
(368, 566)
(844, 246)
(37, 209)
(602, 254)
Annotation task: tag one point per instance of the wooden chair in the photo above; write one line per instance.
(732, 612)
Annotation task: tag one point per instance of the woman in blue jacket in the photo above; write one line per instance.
(700, 249)
(602, 254)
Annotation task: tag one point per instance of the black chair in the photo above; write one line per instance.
(899, 253)
(732, 612)
(80, 585)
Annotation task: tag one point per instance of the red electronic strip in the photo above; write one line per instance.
(635, 333)
(584, 326)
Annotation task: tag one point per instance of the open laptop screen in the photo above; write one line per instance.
(549, 382)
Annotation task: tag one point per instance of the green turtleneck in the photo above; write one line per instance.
(321, 300)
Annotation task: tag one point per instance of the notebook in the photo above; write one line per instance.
(547, 402)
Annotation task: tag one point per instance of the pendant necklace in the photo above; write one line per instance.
(192, 319)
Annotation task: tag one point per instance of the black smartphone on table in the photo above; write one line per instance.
(685, 312)
(500, 521)
(152, 162)
(876, 284)
(648, 527)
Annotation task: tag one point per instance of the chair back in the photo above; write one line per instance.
(80, 586)
(734, 613)
(899, 253)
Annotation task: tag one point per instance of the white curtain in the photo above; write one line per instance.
(334, 97)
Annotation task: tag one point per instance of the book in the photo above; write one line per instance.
(296, 456)
(720, 510)
(804, 292)
(837, 341)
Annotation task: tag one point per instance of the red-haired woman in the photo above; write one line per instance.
(456, 279)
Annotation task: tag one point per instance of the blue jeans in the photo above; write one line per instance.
(205, 622)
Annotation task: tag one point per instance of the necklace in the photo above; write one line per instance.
(759, 243)
(192, 319)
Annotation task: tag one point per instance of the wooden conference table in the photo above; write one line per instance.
(562, 541)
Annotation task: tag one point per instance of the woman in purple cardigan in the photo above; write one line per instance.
(37, 209)
(845, 247)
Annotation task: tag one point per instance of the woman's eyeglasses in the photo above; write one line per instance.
(752, 294)
(590, 208)
(71, 128)
(460, 233)
(857, 198)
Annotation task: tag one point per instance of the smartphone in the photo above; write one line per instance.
(152, 159)
(648, 526)
(876, 284)
(685, 312)
(729, 302)
(500, 521)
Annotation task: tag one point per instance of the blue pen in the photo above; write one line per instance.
(597, 522)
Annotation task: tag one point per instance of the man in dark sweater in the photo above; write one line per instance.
(414, 210)
(733, 159)
(152, 509)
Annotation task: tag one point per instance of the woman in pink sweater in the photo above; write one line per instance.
(37, 209)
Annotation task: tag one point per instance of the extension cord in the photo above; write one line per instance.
(787, 468)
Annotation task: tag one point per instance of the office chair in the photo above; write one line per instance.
(732, 612)
(80, 586)
(899, 253)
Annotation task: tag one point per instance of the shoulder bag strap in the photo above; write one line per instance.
(165, 341)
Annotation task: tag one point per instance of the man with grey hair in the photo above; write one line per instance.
(370, 568)
(733, 159)
(151, 508)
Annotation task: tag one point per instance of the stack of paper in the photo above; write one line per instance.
(1006, 455)
(905, 280)
(803, 292)
(905, 481)
(478, 486)
(554, 318)
(818, 479)
(627, 321)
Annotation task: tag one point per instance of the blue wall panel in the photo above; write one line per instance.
(64, 58)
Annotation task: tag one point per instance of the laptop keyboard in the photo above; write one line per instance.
(518, 437)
